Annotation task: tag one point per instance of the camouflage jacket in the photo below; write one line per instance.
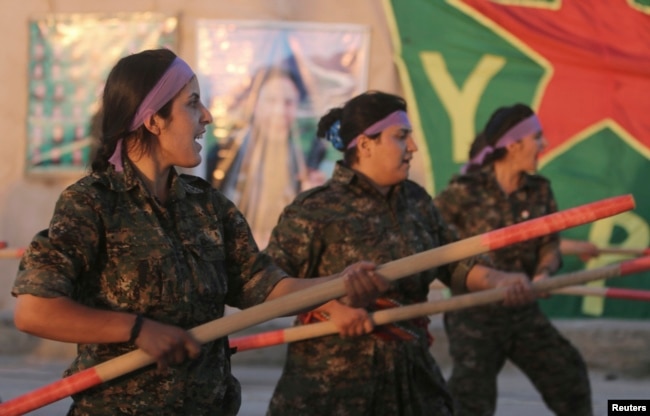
(328, 228)
(111, 245)
(474, 204)
(347, 220)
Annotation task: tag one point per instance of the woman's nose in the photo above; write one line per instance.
(542, 143)
(411, 145)
(207, 116)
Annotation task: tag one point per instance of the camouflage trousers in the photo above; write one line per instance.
(482, 339)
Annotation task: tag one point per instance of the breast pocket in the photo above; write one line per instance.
(207, 263)
(352, 240)
(142, 269)
(421, 235)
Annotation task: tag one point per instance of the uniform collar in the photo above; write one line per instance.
(345, 175)
(488, 176)
(124, 181)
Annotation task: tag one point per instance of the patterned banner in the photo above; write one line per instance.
(584, 67)
(69, 59)
(267, 84)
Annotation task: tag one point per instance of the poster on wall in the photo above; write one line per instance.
(586, 73)
(70, 56)
(266, 85)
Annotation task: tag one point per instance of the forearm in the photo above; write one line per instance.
(62, 319)
(549, 262)
(361, 285)
(333, 307)
(585, 250)
(481, 278)
(291, 284)
(518, 289)
(569, 246)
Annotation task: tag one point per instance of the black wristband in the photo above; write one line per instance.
(137, 326)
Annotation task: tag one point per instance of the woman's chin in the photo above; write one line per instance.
(190, 163)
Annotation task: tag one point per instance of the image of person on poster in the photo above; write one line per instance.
(262, 165)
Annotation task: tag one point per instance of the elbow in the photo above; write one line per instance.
(24, 318)
(22, 322)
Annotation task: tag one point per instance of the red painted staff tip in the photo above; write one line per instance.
(3, 244)
(265, 339)
(557, 221)
(628, 294)
(11, 253)
(51, 393)
(637, 265)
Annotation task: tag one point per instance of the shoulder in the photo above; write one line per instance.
(94, 186)
(462, 184)
(471, 179)
(201, 189)
(328, 194)
(462, 192)
(85, 200)
(317, 207)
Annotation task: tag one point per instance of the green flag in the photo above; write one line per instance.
(585, 69)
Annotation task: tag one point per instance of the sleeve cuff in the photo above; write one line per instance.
(458, 284)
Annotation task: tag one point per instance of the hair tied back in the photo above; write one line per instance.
(333, 135)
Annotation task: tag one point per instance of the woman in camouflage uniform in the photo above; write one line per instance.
(136, 254)
(499, 189)
(368, 210)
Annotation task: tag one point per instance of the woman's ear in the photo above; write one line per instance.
(511, 147)
(152, 123)
(363, 143)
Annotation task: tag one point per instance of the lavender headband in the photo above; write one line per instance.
(173, 80)
(530, 125)
(396, 117)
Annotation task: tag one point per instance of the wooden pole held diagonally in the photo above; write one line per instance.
(289, 304)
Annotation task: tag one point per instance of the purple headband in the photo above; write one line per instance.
(173, 80)
(396, 117)
(525, 127)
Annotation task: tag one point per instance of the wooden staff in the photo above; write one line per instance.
(307, 298)
(11, 253)
(606, 292)
(557, 284)
(625, 251)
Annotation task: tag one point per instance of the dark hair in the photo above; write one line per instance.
(127, 85)
(358, 114)
(501, 120)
